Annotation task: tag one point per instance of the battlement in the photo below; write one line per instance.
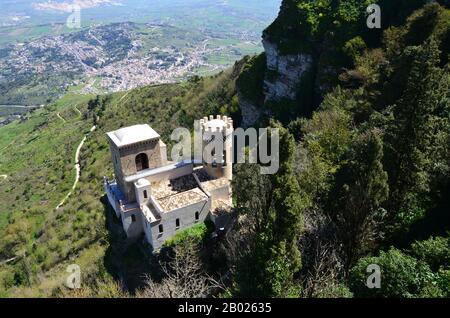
(210, 125)
(211, 128)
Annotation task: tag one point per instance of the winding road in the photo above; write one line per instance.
(59, 116)
(77, 168)
(77, 110)
(21, 106)
(77, 159)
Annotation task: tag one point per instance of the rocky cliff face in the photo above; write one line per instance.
(250, 112)
(304, 55)
(308, 46)
(284, 72)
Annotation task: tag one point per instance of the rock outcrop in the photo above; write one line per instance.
(284, 72)
(249, 111)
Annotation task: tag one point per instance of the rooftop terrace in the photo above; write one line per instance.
(209, 183)
(167, 188)
(182, 199)
(176, 193)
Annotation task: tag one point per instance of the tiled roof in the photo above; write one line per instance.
(167, 188)
(176, 193)
(209, 183)
(221, 208)
(182, 199)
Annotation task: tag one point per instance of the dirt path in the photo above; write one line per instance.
(77, 168)
(126, 94)
(3, 176)
(59, 116)
(77, 158)
(9, 260)
(77, 110)
(8, 145)
(20, 106)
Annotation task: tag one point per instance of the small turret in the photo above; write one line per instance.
(142, 190)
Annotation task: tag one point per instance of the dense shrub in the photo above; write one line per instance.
(401, 276)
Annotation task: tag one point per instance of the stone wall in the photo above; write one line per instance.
(221, 193)
(128, 156)
(124, 161)
(168, 220)
(132, 228)
(172, 174)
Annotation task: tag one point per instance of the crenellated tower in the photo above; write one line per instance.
(210, 128)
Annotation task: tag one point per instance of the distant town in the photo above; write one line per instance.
(113, 58)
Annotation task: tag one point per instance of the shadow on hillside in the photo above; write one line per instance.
(130, 262)
(125, 259)
(436, 223)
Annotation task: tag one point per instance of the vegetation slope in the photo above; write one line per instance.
(364, 177)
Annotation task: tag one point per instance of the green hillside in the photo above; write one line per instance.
(363, 179)
(38, 156)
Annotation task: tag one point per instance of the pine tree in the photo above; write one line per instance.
(268, 269)
(360, 190)
(288, 203)
(408, 136)
(288, 200)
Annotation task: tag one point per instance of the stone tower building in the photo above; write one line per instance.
(135, 149)
(219, 165)
(155, 198)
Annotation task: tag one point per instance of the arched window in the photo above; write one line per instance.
(141, 162)
(197, 216)
(145, 194)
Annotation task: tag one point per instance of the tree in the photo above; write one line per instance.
(401, 276)
(288, 201)
(253, 193)
(184, 276)
(409, 135)
(360, 189)
(273, 207)
(280, 270)
(246, 244)
(277, 251)
(434, 251)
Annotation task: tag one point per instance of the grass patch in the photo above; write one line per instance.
(198, 233)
